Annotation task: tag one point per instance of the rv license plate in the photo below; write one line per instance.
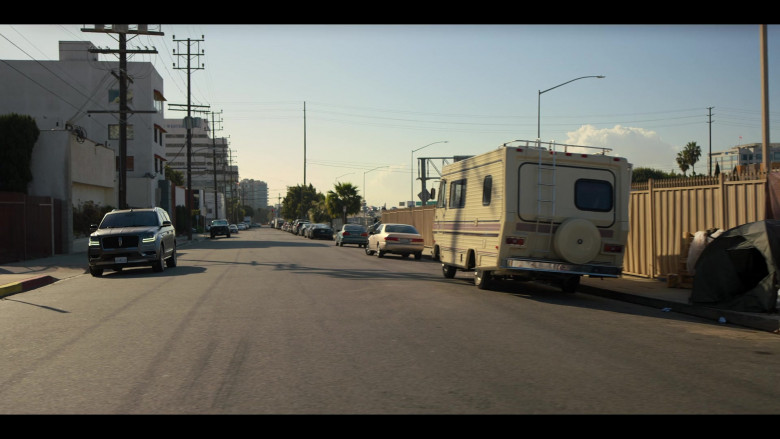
(120, 260)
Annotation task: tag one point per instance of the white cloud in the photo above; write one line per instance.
(641, 147)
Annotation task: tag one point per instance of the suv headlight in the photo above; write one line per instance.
(94, 242)
(148, 238)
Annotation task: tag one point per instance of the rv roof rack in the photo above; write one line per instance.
(552, 145)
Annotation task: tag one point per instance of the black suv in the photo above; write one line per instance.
(132, 237)
(219, 227)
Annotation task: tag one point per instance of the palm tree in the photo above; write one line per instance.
(682, 162)
(343, 200)
(692, 152)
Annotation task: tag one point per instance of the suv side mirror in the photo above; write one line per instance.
(92, 228)
(166, 223)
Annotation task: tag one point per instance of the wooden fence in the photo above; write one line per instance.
(661, 213)
(31, 227)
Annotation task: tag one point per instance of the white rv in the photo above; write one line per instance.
(533, 210)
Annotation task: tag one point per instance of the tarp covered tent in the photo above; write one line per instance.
(737, 269)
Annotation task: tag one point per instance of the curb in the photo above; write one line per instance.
(747, 320)
(26, 285)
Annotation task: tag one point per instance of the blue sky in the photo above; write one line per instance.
(375, 93)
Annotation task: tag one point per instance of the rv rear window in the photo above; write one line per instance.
(457, 194)
(593, 195)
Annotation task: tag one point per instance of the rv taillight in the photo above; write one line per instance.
(613, 248)
(515, 240)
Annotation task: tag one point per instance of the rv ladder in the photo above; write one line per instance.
(545, 200)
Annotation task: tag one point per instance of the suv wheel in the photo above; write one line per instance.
(171, 262)
(159, 264)
(94, 271)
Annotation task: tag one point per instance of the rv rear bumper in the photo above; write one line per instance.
(596, 270)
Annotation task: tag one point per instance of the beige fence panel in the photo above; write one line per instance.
(662, 213)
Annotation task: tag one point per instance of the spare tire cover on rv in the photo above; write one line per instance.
(577, 241)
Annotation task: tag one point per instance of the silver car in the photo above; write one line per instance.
(400, 239)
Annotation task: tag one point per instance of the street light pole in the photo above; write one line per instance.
(365, 200)
(539, 102)
(411, 169)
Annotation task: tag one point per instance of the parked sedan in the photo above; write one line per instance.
(400, 239)
(320, 231)
(352, 234)
(233, 228)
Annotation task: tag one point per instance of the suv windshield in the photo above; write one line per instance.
(130, 219)
(219, 223)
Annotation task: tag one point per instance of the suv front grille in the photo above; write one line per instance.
(120, 241)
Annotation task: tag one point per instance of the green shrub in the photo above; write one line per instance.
(87, 213)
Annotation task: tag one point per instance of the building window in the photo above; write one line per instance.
(129, 163)
(113, 132)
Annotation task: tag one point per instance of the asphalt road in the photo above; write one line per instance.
(266, 322)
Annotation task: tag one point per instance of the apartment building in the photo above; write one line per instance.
(75, 102)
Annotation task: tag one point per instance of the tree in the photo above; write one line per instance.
(343, 200)
(296, 197)
(175, 177)
(18, 135)
(682, 162)
(688, 157)
(641, 175)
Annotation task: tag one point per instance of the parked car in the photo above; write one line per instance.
(219, 227)
(132, 237)
(352, 234)
(233, 228)
(296, 226)
(241, 226)
(301, 230)
(320, 231)
(401, 239)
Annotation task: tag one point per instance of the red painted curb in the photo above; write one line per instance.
(36, 282)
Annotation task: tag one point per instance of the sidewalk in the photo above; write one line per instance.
(23, 276)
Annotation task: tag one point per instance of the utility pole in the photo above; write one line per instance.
(766, 150)
(710, 123)
(214, 143)
(304, 156)
(123, 30)
(188, 120)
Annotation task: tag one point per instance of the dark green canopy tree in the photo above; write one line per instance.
(18, 135)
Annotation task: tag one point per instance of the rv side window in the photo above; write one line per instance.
(442, 201)
(487, 189)
(457, 194)
(593, 195)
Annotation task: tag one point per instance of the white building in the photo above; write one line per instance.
(254, 193)
(749, 155)
(210, 168)
(75, 103)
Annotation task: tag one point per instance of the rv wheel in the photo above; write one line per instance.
(482, 279)
(569, 284)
